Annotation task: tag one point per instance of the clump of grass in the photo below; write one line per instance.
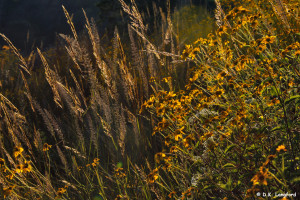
(70, 124)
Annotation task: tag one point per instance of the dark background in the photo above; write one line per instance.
(35, 23)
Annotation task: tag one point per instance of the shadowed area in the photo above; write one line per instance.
(31, 22)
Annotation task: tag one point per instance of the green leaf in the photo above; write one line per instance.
(119, 165)
(229, 184)
(98, 197)
(228, 148)
(223, 186)
(277, 128)
(296, 180)
(229, 165)
(208, 187)
(292, 98)
(266, 80)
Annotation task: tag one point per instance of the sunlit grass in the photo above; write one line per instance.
(87, 121)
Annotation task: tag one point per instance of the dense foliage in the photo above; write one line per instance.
(153, 118)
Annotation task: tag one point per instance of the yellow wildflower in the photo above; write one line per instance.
(7, 191)
(159, 157)
(46, 147)
(19, 169)
(18, 151)
(60, 192)
(297, 53)
(167, 79)
(2, 162)
(172, 194)
(261, 177)
(222, 30)
(153, 176)
(5, 47)
(27, 166)
(95, 162)
(268, 39)
(186, 52)
(281, 147)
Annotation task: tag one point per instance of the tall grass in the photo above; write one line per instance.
(70, 116)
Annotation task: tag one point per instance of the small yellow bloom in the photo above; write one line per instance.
(152, 79)
(186, 52)
(219, 92)
(167, 79)
(60, 192)
(178, 136)
(172, 194)
(194, 53)
(170, 95)
(297, 53)
(46, 147)
(173, 149)
(10, 176)
(95, 162)
(261, 177)
(284, 198)
(222, 30)
(19, 169)
(7, 191)
(281, 147)
(240, 9)
(2, 162)
(153, 176)
(5, 47)
(18, 151)
(268, 39)
(27, 167)
(159, 157)
(269, 158)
